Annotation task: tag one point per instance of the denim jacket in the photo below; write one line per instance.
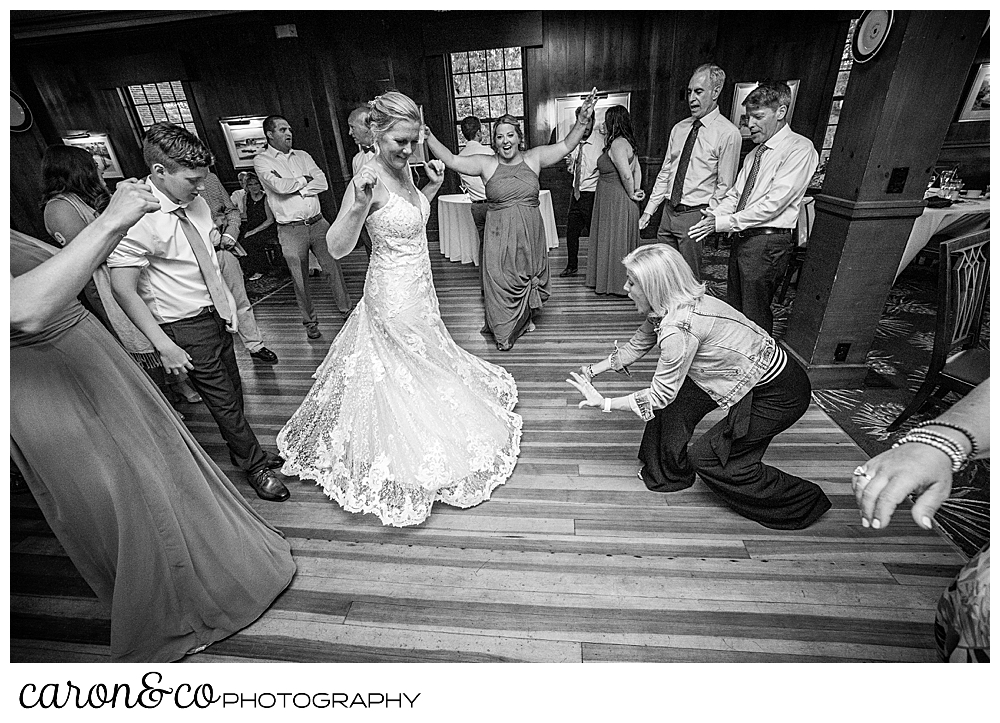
(722, 351)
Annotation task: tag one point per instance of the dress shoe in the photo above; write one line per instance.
(312, 331)
(186, 392)
(265, 355)
(267, 485)
(274, 461)
(568, 271)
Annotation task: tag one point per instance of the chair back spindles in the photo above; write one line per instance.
(957, 364)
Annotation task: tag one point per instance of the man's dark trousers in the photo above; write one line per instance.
(580, 211)
(216, 376)
(756, 266)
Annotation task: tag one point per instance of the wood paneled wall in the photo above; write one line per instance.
(235, 65)
(967, 145)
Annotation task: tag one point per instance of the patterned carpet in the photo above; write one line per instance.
(897, 364)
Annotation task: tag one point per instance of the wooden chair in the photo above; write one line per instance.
(791, 273)
(957, 363)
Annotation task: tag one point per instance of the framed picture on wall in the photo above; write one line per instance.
(977, 103)
(739, 113)
(565, 110)
(99, 146)
(244, 138)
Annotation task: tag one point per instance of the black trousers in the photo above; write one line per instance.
(580, 211)
(216, 376)
(751, 488)
(756, 267)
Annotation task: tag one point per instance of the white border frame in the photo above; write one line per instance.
(240, 129)
(113, 168)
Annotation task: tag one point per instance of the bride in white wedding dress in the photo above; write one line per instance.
(400, 416)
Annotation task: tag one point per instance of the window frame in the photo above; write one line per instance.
(135, 120)
(489, 72)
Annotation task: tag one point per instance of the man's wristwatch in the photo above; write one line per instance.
(607, 405)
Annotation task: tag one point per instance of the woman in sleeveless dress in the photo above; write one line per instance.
(515, 258)
(259, 230)
(164, 540)
(400, 416)
(614, 226)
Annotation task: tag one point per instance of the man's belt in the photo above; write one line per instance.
(308, 222)
(480, 200)
(681, 208)
(761, 231)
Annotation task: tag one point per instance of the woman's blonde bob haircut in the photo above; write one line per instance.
(664, 277)
(389, 109)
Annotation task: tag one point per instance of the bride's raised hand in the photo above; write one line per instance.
(364, 185)
(435, 170)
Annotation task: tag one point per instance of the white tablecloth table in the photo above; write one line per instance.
(457, 233)
(962, 217)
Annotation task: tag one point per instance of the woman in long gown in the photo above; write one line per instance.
(614, 226)
(400, 416)
(161, 536)
(515, 258)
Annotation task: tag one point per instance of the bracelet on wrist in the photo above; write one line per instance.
(939, 442)
(606, 408)
(974, 451)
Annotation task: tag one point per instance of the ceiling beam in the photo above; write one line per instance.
(29, 25)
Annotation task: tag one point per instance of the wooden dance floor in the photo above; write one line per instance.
(571, 561)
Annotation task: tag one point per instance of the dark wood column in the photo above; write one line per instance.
(894, 119)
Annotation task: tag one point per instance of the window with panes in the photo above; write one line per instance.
(487, 84)
(839, 91)
(154, 102)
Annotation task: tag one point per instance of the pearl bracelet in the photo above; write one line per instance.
(938, 441)
(958, 428)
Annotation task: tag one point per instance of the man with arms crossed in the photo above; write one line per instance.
(292, 180)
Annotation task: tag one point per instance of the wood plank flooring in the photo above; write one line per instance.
(571, 561)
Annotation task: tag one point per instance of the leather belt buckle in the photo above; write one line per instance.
(681, 208)
(762, 231)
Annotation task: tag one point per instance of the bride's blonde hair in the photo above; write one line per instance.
(389, 109)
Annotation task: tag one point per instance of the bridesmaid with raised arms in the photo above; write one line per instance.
(515, 258)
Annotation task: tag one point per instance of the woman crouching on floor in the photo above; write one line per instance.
(711, 356)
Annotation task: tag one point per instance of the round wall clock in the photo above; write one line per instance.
(20, 116)
(870, 34)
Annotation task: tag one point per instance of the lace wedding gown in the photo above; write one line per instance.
(400, 416)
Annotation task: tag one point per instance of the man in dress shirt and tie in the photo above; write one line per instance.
(762, 207)
(167, 280)
(472, 129)
(703, 155)
(292, 180)
(583, 165)
(357, 124)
